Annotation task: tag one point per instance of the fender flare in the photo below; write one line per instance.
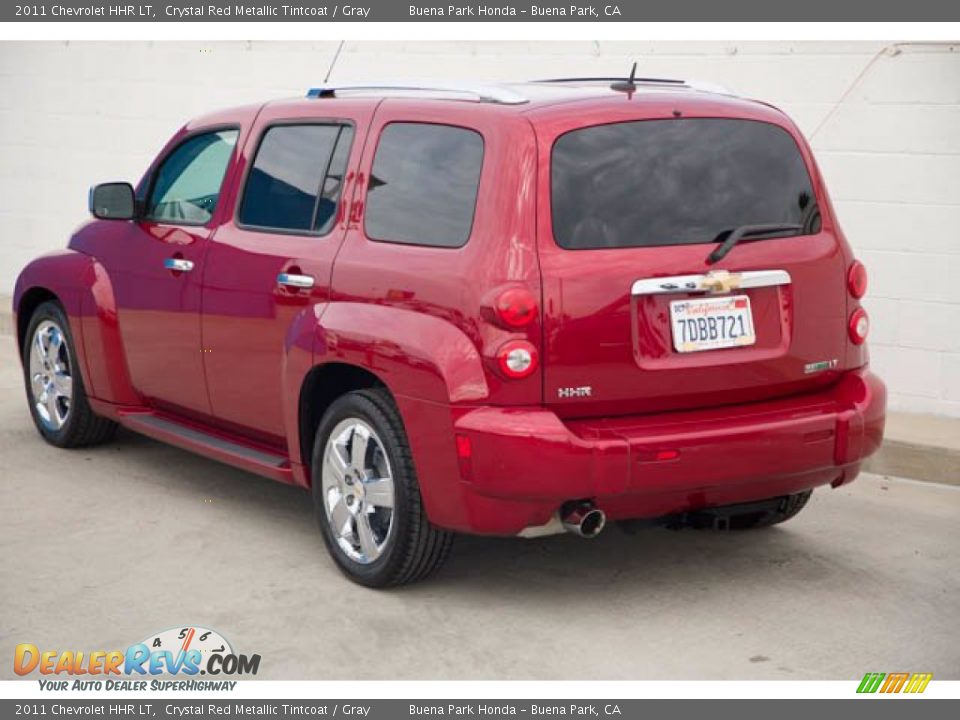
(415, 355)
(424, 361)
(83, 287)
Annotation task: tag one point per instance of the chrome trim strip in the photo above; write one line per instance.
(715, 282)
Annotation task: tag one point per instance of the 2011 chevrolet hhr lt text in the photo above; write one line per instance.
(502, 309)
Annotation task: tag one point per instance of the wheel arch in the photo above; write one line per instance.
(427, 364)
(322, 385)
(27, 304)
(82, 287)
(58, 276)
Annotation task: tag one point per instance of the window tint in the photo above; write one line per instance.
(187, 185)
(423, 186)
(296, 178)
(676, 182)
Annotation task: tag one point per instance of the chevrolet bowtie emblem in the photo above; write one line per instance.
(719, 281)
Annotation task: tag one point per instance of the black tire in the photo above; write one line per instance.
(413, 548)
(81, 427)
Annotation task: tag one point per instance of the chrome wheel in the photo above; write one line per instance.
(51, 382)
(358, 490)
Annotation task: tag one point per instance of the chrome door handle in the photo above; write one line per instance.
(295, 281)
(178, 264)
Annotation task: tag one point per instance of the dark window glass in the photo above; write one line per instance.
(676, 182)
(186, 187)
(296, 178)
(423, 187)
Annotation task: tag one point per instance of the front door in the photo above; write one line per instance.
(272, 261)
(155, 267)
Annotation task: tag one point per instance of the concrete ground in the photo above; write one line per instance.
(101, 547)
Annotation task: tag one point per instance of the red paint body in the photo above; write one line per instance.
(226, 351)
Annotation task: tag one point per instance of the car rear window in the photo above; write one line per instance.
(676, 182)
(423, 186)
(296, 178)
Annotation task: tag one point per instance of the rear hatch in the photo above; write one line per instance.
(636, 318)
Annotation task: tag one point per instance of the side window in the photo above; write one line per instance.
(186, 187)
(423, 186)
(296, 178)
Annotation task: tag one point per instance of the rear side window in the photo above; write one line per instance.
(423, 186)
(186, 187)
(296, 179)
(676, 182)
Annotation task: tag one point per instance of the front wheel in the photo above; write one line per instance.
(366, 495)
(55, 392)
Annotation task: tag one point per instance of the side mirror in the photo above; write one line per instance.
(113, 201)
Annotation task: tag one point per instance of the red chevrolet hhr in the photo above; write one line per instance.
(507, 309)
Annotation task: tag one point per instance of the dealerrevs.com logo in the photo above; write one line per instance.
(185, 651)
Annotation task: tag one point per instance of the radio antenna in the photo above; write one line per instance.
(629, 86)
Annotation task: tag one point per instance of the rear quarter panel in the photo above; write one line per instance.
(423, 327)
(413, 315)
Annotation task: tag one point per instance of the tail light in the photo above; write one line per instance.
(857, 279)
(859, 326)
(517, 359)
(516, 307)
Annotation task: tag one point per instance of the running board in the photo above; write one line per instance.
(216, 447)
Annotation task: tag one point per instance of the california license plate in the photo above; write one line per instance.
(711, 323)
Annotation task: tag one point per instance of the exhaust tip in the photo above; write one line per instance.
(583, 519)
(593, 523)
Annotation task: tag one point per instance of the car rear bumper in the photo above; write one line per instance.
(517, 465)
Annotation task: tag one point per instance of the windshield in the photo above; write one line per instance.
(676, 182)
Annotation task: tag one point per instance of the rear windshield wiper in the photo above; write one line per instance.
(738, 234)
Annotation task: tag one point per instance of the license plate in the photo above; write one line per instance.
(711, 323)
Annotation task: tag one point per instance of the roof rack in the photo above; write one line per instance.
(665, 82)
(477, 92)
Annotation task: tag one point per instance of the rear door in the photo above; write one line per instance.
(271, 261)
(636, 319)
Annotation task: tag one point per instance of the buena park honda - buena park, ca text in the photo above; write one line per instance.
(322, 11)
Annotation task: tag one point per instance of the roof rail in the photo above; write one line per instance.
(666, 82)
(478, 92)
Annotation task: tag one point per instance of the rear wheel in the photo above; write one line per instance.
(366, 495)
(55, 392)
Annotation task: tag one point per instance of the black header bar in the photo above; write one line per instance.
(319, 11)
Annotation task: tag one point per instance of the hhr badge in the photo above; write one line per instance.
(583, 391)
(810, 368)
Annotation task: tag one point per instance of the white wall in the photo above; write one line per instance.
(884, 122)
